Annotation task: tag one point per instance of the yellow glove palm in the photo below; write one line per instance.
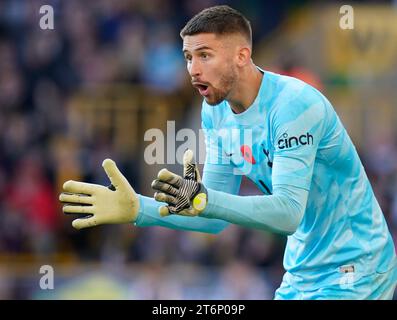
(103, 205)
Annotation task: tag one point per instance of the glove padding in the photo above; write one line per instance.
(117, 203)
(185, 196)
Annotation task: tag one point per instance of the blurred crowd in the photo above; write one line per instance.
(105, 42)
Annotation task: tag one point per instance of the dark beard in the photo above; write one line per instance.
(226, 83)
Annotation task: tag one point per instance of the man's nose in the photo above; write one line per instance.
(194, 68)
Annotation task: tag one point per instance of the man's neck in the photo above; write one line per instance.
(246, 90)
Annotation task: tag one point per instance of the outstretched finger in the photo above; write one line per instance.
(163, 197)
(190, 170)
(70, 208)
(82, 223)
(75, 198)
(115, 176)
(170, 177)
(79, 187)
(164, 187)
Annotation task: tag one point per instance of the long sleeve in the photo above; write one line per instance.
(215, 176)
(149, 215)
(297, 129)
(280, 212)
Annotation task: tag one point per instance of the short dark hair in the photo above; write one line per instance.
(219, 20)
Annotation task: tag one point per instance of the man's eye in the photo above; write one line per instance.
(188, 58)
(204, 55)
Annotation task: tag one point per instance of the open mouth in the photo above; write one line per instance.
(202, 88)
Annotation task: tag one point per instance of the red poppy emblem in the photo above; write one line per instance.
(247, 154)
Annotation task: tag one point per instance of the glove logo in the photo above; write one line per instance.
(200, 201)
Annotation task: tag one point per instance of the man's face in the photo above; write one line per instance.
(211, 65)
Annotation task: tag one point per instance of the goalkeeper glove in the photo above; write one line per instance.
(117, 203)
(185, 196)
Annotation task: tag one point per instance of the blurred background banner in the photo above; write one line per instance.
(107, 72)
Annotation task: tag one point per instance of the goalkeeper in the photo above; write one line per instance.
(315, 188)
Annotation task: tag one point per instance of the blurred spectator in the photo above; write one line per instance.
(239, 281)
(292, 64)
(135, 43)
(163, 68)
(31, 195)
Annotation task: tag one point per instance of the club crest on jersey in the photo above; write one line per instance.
(288, 142)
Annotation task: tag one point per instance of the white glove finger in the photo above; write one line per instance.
(170, 177)
(190, 170)
(69, 208)
(163, 211)
(84, 223)
(80, 187)
(198, 176)
(115, 176)
(162, 197)
(188, 157)
(164, 187)
(188, 164)
(75, 198)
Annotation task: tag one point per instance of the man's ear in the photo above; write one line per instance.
(243, 56)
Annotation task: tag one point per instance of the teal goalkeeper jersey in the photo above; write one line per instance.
(291, 137)
(292, 145)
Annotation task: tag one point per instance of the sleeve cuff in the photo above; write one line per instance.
(209, 208)
(141, 211)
